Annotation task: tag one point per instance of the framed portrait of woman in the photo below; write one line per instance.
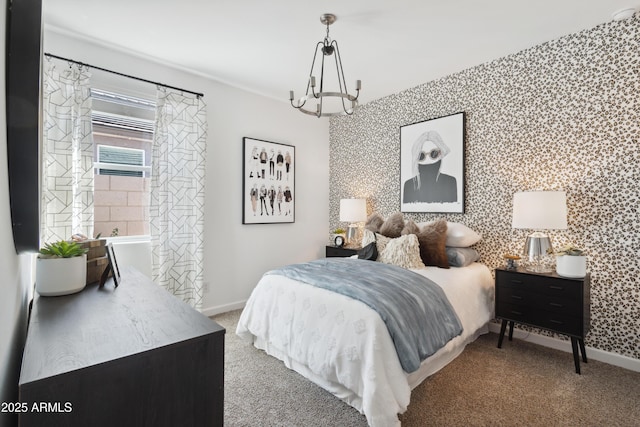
(268, 177)
(432, 165)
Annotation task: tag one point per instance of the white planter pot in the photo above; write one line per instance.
(61, 276)
(571, 266)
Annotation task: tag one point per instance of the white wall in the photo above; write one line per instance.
(14, 288)
(237, 255)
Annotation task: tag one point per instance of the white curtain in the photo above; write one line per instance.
(67, 155)
(177, 195)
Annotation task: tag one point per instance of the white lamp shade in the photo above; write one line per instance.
(540, 210)
(353, 210)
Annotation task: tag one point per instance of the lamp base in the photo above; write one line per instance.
(352, 234)
(536, 248)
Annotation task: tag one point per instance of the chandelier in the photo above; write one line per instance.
(335, 99)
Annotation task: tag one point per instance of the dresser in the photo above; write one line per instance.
(134, 355)
(547, 301)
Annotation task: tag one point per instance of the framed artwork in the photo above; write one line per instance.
(268, 182)
(432, 165)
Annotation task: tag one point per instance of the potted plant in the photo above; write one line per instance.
(338, 232)
(571, 262)
(61, 268)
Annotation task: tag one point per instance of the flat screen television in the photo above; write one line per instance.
(23, 104)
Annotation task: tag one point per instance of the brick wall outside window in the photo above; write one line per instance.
(121, 202)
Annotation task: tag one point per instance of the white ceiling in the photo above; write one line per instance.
(266, 46)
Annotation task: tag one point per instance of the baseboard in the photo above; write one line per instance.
(212, 311)
(558, 344)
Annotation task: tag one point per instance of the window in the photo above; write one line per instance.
(122, 132)
(120, 161)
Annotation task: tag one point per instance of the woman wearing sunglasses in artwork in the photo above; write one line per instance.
(428, 184)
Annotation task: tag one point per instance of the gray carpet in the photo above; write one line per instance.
(522, 384)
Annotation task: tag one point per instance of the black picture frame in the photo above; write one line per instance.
(432, 167)
(268, 182)
(112, 267)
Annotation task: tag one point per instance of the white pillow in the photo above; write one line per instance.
(458, 235)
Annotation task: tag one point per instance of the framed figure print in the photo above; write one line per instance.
(268, 182)
(432, 165)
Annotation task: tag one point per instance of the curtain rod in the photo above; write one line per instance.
(124, 75)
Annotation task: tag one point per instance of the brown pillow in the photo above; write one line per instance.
(432, 238)
(410, 228)
(374, 222)
(393, 226)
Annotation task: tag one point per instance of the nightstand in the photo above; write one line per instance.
(544, 300)
(336, 251)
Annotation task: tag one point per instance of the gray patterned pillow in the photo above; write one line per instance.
(462, 257)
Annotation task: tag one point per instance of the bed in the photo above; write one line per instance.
(344, 346)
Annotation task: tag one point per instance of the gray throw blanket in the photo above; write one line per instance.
(417, 313)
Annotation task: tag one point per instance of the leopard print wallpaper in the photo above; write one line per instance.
(564, 115)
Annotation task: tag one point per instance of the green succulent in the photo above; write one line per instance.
(63, 249)
(570, 250)
(339, 231)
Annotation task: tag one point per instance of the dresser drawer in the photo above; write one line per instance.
(558, 322)
(551, 286)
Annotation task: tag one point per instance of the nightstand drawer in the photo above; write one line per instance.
(558, 322)
(532, 283)
(336, 251)
(539, 301)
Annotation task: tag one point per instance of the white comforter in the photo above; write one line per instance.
(343, 345)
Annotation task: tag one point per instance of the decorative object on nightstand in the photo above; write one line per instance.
(338, 241)
(571, 262)
(512, 261)
(539, 210)
(547, 301)
(339, 232)
(353, 211)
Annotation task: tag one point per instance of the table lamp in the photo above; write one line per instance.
(352, 211)
(539, 211)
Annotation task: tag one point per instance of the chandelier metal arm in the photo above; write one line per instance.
(342, 81)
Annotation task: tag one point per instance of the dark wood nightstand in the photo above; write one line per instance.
(336, 251)
(544, 300)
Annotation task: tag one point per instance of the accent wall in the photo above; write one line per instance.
(564, 115)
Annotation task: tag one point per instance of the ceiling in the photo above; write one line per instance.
(266, 47)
